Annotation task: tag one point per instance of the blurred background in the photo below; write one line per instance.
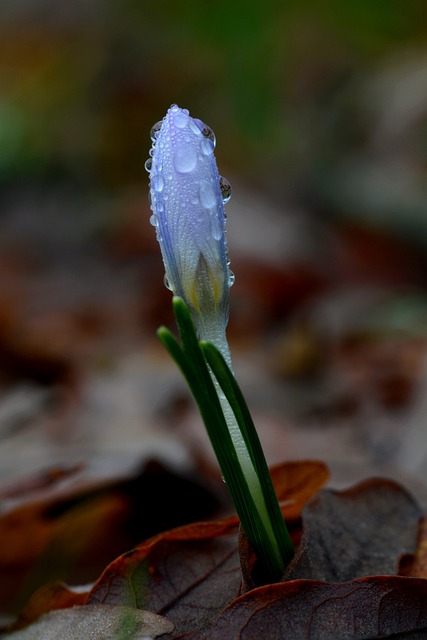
(320, 114)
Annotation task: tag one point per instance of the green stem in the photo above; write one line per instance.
(234, 440)
(259, 480)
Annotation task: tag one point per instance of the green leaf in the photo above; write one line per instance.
(255, 502)
(235, 397)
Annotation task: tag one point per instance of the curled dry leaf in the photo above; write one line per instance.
(296, 482)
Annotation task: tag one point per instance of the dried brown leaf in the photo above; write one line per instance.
(354, 533)
(364, 609)
(296, 482)
(96, 623)
(188, 574)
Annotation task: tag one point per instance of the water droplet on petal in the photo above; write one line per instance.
(195, 127)
(155, 130)
(231, 278)
(157, 183)
(185, 158)
(199, 123)
(148, 164)
(154, 220)
(179, 120)
(206, 195)
(167, 283)
(216, 230)
(225, 187)
(209, 134)
(207, 146)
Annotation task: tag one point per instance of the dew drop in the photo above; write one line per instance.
(206, 195)
(179, 120)
(157, 183)
(185, 158)
(167, 283)
(154, 220)
(225, 187)
(195, 127)
(231, 278)
(216, 230)
(209, 134)
(207, 146)
(194, 199)
(155, 130)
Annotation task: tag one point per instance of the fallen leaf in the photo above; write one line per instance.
(107, 622)
(358, 532)
(55, 528)
(38, 545)
(180, 570)
(188, 574)
(364, 609)
(191, 573)
(55, 595)
(296, 482)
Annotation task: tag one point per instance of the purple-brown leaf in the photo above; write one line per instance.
(362, 531)
(365, 609)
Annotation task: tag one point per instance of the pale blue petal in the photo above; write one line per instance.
(188, 212)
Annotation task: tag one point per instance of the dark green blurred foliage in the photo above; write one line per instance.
(282, 83)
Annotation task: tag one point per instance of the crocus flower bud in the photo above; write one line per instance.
(187, 199)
